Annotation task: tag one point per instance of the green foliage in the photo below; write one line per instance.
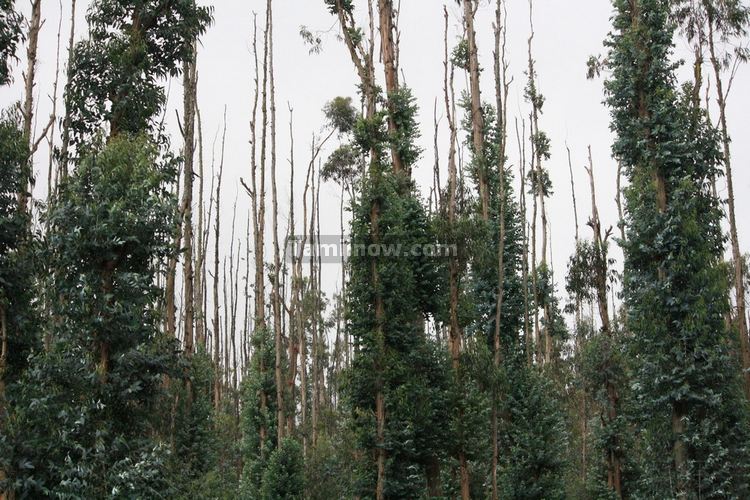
(460, 55)
(399, 361)
(85, 420)
(532, 437)
(346, 6)
(674, 287)
(329, 468)
(284, 477)
(340, 114)
(258, 419)
(116, 72)
(17, 248)
(10, 34)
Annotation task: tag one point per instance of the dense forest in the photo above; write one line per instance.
(170, 331)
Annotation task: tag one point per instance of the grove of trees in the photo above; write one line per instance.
(143, 355)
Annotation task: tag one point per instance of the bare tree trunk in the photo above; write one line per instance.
(63, 165)
(293, 345)
(739, 272)
(539, 176)
(276, 298)
(35, 25)
(232, 312)
(190, 83)
(388, 52)
(217, 233)
(501, 98)
(618, 200)
(477, 118)
(170, 320)
(614, 466)
(200, 258)
(51, 170)
(520, 140)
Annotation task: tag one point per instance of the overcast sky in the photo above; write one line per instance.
(566, 34)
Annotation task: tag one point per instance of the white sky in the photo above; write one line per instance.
(567, 32)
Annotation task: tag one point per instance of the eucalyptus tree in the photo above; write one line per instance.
(86, 414)
(692, 414)
(721, 28)
(395, 368)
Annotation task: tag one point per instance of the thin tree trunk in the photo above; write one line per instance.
(63, 166)
(477, 118)
(739, 272)
(200, 258)
(501, 98)
(388, 53)
(29, 76)
(614, 466)
(190, 84)
(276, 299)
(293, 346)
(217, 233)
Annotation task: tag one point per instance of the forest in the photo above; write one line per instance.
(356, 296)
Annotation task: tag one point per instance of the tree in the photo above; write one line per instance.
(10, 35)
(284, 478)
(691, 412)
(716, 24)
(86, 409)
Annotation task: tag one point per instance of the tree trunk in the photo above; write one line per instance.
(276, 298)
(217, 233)
(501, 98)
(35, 25)
(388, 53)
(63, 165)
(189, 104)
(614, 466)
(739, 272)
(477, 118)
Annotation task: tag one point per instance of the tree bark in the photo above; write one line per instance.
(614, 465)
(477, 117)
(217, 233)
(189, 104)
(35, 25)
(739, 271)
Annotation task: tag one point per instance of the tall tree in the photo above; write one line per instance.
(691, 409)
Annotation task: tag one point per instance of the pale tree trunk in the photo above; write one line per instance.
(276, 298)
(301, 314)
(539, 189)
(614, 465)
(315, 289)
(29, 76)
(189, 104)
(63, 165)
(739, 272)
(501, 96)
(477, 118)
(388, 54)
(534, 270)
(528, 340)
(51, 170)
(234, 266)
(217, 234)
(583, 416)
(293, 344)
(200, 258)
